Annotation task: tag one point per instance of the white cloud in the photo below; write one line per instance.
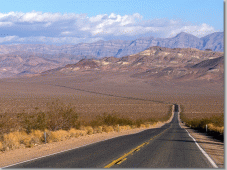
(48, 40)
(37, 17)
(75, 28)
(5, 24)
(196, 30)
(97, 18)
(66, 33)
(8, 39)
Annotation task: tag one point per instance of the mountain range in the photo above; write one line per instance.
(27, 59)
(155, 63)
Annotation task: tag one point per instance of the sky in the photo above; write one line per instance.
(87, 21)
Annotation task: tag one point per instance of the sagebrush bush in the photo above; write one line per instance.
(147, 125)
(97, 129)
(17, 139)
(110, 120)
(61, 116)
(122, 128)
(12, 140)
(116, 128)
(60, 122)
(74, 132)
(83, 132)
(215, 124)
(133, 126)
(142, 126)
(37, 136)
(212, 127)
(27, 141)
(89, 130)
(59, 135)
(107, 129)
(139, 122)
(127, 127)
(57, 116)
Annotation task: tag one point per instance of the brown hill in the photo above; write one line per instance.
(157, 62)
(29, 63)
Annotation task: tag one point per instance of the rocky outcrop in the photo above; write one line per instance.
(158, 62)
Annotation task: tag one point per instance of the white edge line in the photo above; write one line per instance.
(201, 149)
(67, 150)
(73, 148)
(64, 151)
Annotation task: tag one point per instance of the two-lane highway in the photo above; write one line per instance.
(174, 148)
(167, 147)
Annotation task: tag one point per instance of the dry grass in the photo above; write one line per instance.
(212, 127)
(142, 126)
(76, 133)
(57, 116)
(97, 129)
(17, 139)
(89, 130)
(212, 123)
(61, 121)
(107, 129)
(127, 127)
(14, 140)
(59, 135)
(105, 123)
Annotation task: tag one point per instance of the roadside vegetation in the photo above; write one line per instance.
(61, 122)
(213, 125)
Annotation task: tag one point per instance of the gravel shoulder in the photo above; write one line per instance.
(214, 148)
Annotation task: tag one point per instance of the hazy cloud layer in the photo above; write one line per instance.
(57, 28)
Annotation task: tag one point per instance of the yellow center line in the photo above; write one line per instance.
(123, 158)
(121, 161)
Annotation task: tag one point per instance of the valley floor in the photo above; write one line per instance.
(200, 99)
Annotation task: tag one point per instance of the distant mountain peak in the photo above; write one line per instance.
(184, 34)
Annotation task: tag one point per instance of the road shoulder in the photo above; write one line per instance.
(12, 157)
(214, 148)
(24, 154)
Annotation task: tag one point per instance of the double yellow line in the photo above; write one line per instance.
(123, 158)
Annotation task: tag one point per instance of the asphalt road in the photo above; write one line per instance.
(167, 147)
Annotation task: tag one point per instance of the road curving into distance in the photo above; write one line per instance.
(169, 146)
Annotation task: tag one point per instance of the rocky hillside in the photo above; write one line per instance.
(28, 63)
(156, 62)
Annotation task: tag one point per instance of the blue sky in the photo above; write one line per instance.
(75, 21)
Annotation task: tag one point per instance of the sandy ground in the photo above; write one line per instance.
(213, 148)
